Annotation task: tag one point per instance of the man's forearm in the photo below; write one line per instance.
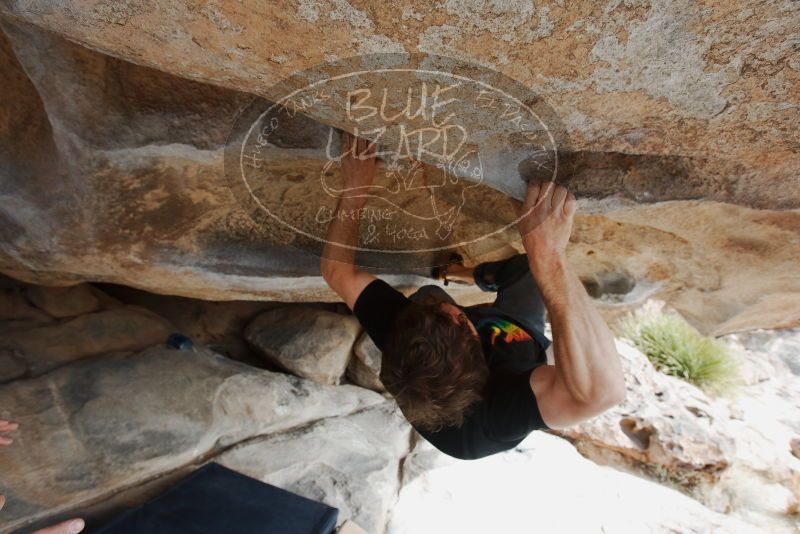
(585, 355)
(342, 236)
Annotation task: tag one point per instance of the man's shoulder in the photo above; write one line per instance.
(376, 308)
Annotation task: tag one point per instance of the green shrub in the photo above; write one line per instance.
(677, 349)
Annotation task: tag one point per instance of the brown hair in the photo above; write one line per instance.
(433, 367)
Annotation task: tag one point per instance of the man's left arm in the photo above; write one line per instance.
(338, 256)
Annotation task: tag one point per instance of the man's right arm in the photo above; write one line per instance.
(587, 377)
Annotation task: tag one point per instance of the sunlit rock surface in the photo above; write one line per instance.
(706, 89)
(665, 424)
(107, 430)
(544, 484)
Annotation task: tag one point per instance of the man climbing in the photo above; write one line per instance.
(476, 380)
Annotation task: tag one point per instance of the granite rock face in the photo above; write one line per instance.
(311, 343)
(349, 462)
(65, 301)
(365, 365)
(122, 329)
(733, 452)
(763, 481)
(107, 431)
(124, 419)
(724, 268)
(17, 313)
(665, 425)
(703, 91)
(113, 149)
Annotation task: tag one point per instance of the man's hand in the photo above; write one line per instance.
(358, 163)
(587, 377)
(70, 526)
(7, 426)
(546, 221)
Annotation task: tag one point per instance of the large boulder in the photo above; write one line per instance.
(113, 150)
(671, 89)
(96, 427)
(67, 301)
(349, 462)
(763, 482)
(666, 427)
(14, 306)
(364, 368)
(308, 342)
(732, 452)
(129, 139)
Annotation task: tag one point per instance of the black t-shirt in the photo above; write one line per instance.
(509, 410)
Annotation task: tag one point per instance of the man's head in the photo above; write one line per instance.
(434, 365)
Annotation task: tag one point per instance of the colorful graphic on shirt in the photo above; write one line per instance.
(501, 326)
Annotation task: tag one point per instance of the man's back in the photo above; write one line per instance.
(508, 411)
